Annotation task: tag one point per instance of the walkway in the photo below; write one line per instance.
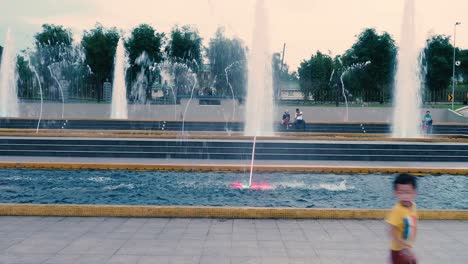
(35, 240)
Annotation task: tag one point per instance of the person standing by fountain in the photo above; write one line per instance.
(427, 123)
(285, 120)
(403, 220)
(299, 119)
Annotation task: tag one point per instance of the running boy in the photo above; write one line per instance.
(403, 220)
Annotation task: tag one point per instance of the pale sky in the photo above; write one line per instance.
(305, 25)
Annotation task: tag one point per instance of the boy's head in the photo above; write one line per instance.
(404, 187)
(428, 112)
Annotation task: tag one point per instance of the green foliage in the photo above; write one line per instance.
(53, 43)
(376, 81)
(25, 80)
(438, 55)
(53, 35)
(144, 49)
(99, 45)
(185, 46)
(463, 68)
(227, 56)
(144, 38)
(314, 74)
(54, 52)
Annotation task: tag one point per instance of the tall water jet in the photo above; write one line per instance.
(119, 90)
(259, 106)
(8, 87)
(407, 93)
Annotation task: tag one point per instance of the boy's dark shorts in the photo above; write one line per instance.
(399, 257)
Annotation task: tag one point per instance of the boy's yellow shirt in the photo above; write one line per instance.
(405, 220)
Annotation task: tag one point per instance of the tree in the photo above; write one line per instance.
(314, 75)
(145, 38)
(185, 46)
(99, 45)
(53, 35)
(463, 68)
(26, 78)
(53, 41)
(438, 55)
(228, 65)
(281, 75)
(54, 57)
(376, 81)
(144, 49)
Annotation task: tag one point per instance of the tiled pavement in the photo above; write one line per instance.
(144, 241)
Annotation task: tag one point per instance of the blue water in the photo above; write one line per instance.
(214, 189)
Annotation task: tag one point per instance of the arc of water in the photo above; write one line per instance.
(189, 102)
(344, 95)
(60, 88)
(232, 90)
(170, 86)
(252, 160)
(175, 103)
(346, 71)
(331, 76)
(40, 93)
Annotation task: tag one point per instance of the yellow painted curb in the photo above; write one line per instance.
(231, 168)
(212, 212)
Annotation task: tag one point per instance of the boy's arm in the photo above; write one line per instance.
(393, 231)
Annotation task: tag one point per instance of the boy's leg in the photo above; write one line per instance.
(399, 257)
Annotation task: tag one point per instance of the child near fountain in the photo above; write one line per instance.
(427, 123)
(403, 220)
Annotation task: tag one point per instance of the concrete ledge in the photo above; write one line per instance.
(216, 135)
(231, 168)
(211, 212)
(215, 121)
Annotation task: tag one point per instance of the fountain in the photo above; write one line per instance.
(407, 94)
(259, 106)
(165, 70)
(119, 90)
(138, 91)
(356, 66)
(226, 71)
(8, 87)
(194, 76)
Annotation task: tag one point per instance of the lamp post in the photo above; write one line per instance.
(453, 73)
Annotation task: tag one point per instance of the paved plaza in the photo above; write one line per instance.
(63, 240)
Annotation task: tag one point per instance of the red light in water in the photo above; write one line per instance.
(255, 186)
(261, 186)
(237, 185)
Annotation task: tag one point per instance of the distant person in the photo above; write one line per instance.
(402, 220)
(299, 119)
(286, 119)
(427, 123)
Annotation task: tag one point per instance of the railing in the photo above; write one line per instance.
(79, 90)
(72, 91)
